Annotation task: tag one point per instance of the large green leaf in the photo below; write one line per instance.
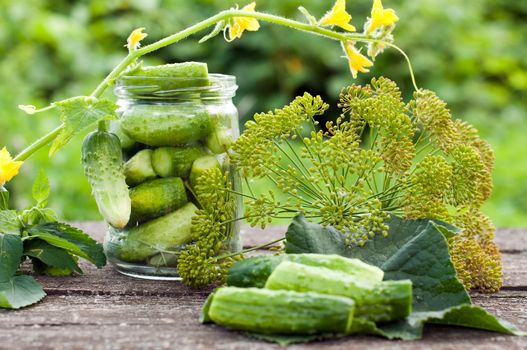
(413, 249)
(9, 223)
(70, 239)
(51, 255)
(10, 255)
(79, 113)
(20, 291)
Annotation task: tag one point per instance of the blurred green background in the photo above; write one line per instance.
(473, 53)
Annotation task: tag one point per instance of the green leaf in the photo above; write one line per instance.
(36, 215)
(50, 255)
(11, 248)
(70, 239)
(20, 291)
(4, 198)
(217, 29)
(41, 189)
(413, 249)
(79, 113)
(9, 223)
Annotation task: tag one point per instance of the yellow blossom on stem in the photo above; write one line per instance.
(8, 167)
(357, 62)
(134, 40)
(241, 24)
(381, 16)
(338, 16)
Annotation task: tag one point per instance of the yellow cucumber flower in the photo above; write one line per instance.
(357, 62)
(241, 24)
(381, 16)
(338, 16)
(8, 167)
(134, 40)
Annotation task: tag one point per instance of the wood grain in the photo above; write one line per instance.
(105, 310)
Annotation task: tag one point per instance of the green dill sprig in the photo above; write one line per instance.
(381, 156)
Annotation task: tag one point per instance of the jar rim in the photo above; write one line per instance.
(146, 87)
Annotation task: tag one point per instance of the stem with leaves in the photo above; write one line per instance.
(223, 16)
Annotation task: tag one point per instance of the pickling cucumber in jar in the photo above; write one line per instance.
(176, 122)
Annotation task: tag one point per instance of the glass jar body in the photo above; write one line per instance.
(171, 140)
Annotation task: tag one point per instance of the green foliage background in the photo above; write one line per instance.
(473, 53)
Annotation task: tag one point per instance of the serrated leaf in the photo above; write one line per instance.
(41, 189)
(413, 249)
(20, 291)
(9, 223)
(11, 248)
(4, 198)
(71, 239)
(50, 255)
(79, 113)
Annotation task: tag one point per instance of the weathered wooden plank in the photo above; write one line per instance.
(109, 281)
(508, 239)
(103, 309)
(163, 322)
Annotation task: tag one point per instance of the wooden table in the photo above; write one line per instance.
(105, 310)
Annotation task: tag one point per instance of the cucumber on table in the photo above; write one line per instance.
(253, 272)
(279, 311)
(138, 169)
(175, 161)
(138, 243)
(379, 302)
(102, 159)
(160, 125)
(157, 197)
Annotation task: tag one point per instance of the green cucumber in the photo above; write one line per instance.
(102, 159)
(390, 300)
(164, 260)
(156, 198)
(220, 140)
(378, 302)
(201, 166)
(184, 75)
(303, 278)
(279, 312)
(126, 141)
(253, 272)
(138, 243)
(138, 169)
(175, 161)
(161, 125)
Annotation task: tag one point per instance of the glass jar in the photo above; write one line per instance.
(171, 130)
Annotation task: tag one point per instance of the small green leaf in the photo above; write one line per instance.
(36, 216)
(20, 291)
(50, 255)
(11, 248)
(41, 189)
(79, 113)
(217, 29)
(71, 239)
(9, 223)
(4, 198)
